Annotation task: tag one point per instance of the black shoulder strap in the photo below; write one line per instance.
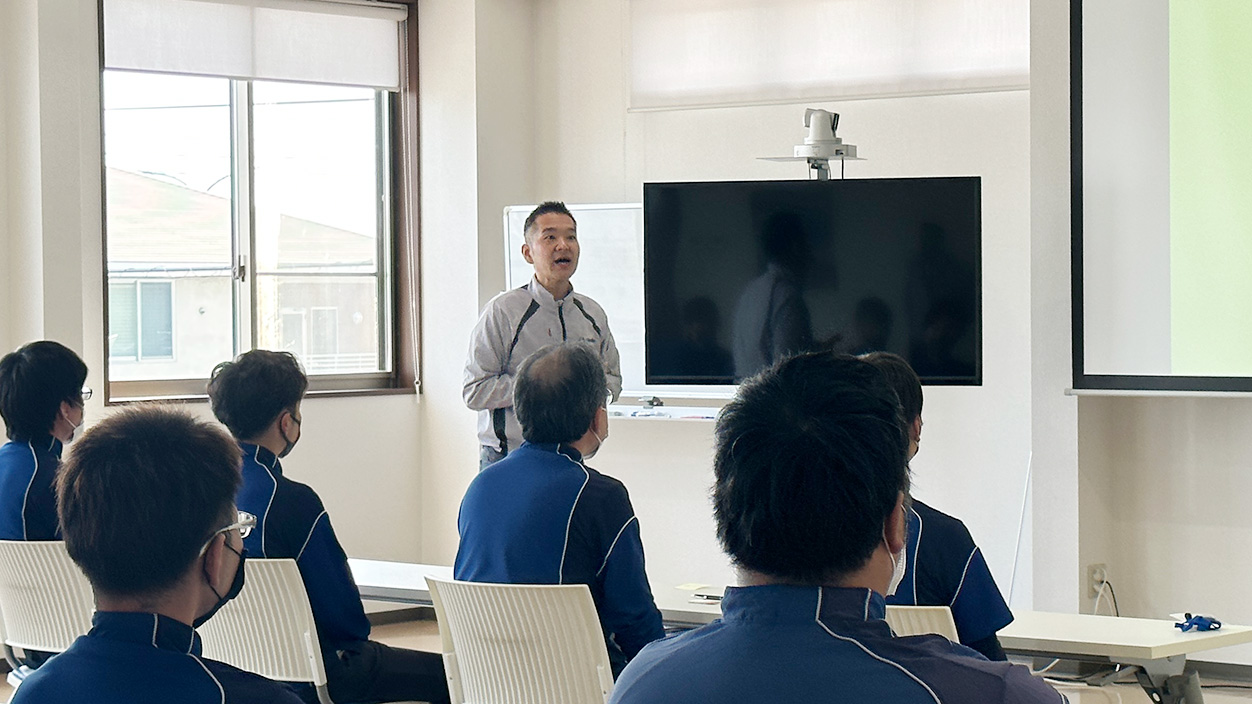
(586, 315)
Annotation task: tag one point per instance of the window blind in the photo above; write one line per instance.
(316, 41)
(688, 53)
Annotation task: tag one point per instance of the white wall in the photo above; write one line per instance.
(1164, 489)
(543, 86)
(1054, 502)
(8, 57)
(590, 149)
(361, 454)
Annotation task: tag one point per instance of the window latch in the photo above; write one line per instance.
(240, 270)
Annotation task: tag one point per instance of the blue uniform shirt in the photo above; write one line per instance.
(28, 504)
(540, 516)
(817, 644)
(946, 568)
(291, 522)
(138, 658)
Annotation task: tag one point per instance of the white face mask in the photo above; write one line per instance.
(591, 454)
(73, 426)
(897, 572)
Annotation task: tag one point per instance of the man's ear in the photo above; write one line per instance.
(214, 558)
(915, 430)
(526, 253)
(600, 422)
(895, 529)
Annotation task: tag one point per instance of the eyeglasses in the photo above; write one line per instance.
(86, 393)
(244, 524)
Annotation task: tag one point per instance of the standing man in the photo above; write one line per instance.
(41, 400)
(945, 567)
(516, 323)
(542, 516)
(810, 497)
(257, 397)
(147, 506)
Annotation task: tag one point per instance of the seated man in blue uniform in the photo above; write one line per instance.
(147, 508)
(41, 400)
(945, 567)
(811, 480)
(257, 397)
(542, 516)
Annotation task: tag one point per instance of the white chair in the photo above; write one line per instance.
(45, 601)
(922, 620)
(521, 643)
(268, 629)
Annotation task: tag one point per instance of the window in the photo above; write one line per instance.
(251, 206)
(141, 314)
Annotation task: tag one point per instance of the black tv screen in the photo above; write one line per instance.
(740, 273)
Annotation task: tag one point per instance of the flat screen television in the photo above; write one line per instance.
(740, 273)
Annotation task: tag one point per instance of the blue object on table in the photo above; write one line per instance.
(1199, 623)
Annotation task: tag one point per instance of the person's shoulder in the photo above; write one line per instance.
(16, 454)
(508, 300)
(610, 486)
(589, 303)
(663, 664)
(248, 687)
(955, 671)
(298, 494)
(939, 524)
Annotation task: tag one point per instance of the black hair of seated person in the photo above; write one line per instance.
(141, 493)
(903, 379)
(548, 206)
(557, 392)
(250, 392)
(34, 380)
(810, 460)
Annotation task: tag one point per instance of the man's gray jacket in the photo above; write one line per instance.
(513, 325)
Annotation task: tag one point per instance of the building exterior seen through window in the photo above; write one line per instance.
(244, 214)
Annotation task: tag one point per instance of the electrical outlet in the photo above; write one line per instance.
(1096, 575)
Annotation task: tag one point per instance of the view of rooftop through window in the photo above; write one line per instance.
(206, 174)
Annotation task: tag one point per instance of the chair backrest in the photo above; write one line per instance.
(268, 629)
(922, 620)
(45, 600)
(521, 643)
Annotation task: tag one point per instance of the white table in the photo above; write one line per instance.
(1155, 646)
(405, 583)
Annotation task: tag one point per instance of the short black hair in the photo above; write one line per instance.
(810, 460)
(903, 380)
(557, 392)
(140, 495)
(548, 206)
(34, 381)
(250, 392)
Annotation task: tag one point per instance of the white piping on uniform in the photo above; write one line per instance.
(155, 621)
(26, 495)
(211, 676)
(560, 578)
(916, 551)
(818, 618)
(309, 537)
(265, 519)
(964, 572)
(615, 539)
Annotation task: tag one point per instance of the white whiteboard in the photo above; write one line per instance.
(610, 270)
